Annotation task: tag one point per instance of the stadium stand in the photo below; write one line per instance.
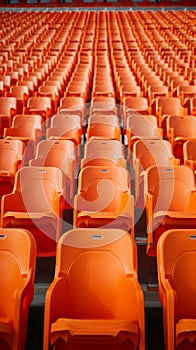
(97, 101)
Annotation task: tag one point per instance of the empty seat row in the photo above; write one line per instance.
(100, 108)
(87, 307)
(139, 60)
(105, 199)
(162, 107)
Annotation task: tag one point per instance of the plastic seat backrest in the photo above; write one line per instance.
(39, 103)
(91, 174)
(95, 147)
(54, 153)
(108, 293)
(104, 119)
(77, 241)
(7, 104)
(141, 125)
(169, 105)
(72, 102)
(21, 244)
(65, 122)
(176, 254)
(153, 152)
(10, 152)
(189, 150)
(46, 183)
(21, 119)
(169, 185)
(184, 126)
(138, 103)
(19, 91)
(24, 126)
(18, 256)
(44, 147)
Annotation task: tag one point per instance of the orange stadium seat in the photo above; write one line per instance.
(18, 258)
(103, 105)
(102, 310)
(176, 259)
(186, 92)
(53, 81)
(104, 198)
(11, 153)
(32, 78)
(6, 79)
(51, 92)
(157, 91)
(103, 126)
(175, 82)
(193, 105)
(134, 105)
(141, 127)
(72, 105)
(29, 85)
(165, 106)
(189, 154)
(180, 129)
(61, 154)
(8, 107)
(147, 153)
(103, 152)
(14, 77)
(28, 129)
(41, 106)
(23, 208)
(66, 127)
(21, 93)
(170, 199)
